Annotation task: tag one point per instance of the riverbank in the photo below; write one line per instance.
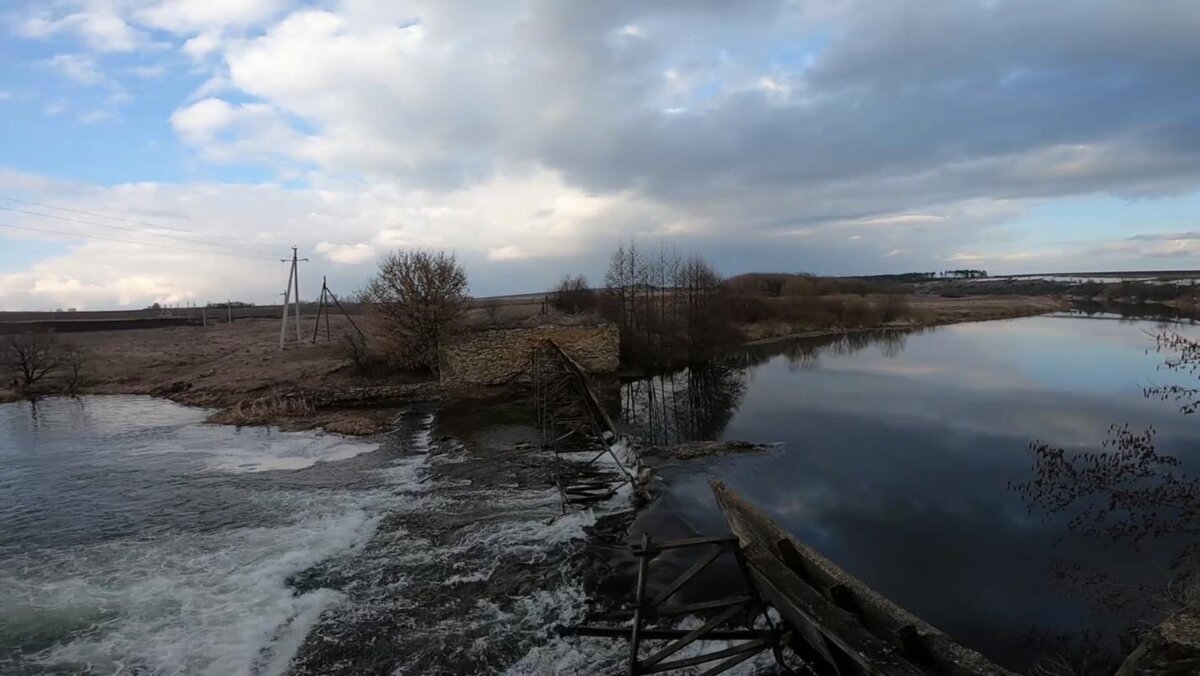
(924, 311)
(239, 370)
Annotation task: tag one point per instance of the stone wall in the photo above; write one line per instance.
(498, 356)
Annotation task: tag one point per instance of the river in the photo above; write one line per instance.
(137, 539)
(895, 454)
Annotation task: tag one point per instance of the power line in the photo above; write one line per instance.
(130, 241)
(124, 220)
(134, 230)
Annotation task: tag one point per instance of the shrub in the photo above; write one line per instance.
(422, 299)
(30, 357)
(354, 349)
(894, 308)
(573, 295)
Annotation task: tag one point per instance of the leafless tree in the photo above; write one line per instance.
(75, 376)
(422, 299)
(667, 307)
(29, 357)
(573, 295)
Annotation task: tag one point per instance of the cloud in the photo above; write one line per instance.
(191, 16)
(97, 115)
(100, 27)
(1167, 236)
(149, 71)
(80, 68)
(960, 257)
(766, 133)
(202, 45)
(347, 254)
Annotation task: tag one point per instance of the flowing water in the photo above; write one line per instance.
(136, 539)
(894, 457)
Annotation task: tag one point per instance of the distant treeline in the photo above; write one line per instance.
(672, 308)
(1135, 291)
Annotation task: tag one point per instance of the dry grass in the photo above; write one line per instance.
(265, 410)
(219, 365)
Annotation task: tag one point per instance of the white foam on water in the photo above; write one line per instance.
(575, 655)
(265, 449)
(211, 604)
(215, 604)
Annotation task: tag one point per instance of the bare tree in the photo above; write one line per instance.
(29, 357)
(75, 376)
(573, 295)
(668, 308)
(422, 298)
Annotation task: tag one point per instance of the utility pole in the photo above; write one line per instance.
(293, 282)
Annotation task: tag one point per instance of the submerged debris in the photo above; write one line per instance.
(703, 449)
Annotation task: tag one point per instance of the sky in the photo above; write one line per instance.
(173, 151)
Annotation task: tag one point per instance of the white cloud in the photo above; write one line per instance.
(962, 257)
(518, 218)
(193, 16)
(99, 25)
(528, 132)
(201, 46)
(94, 116)
(203, 120)
(347, 254)
(78, 67)
(149, 71)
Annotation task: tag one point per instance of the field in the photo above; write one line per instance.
(239, 369)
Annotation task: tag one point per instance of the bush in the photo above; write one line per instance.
(354, 349)
(422, 299)
(30, 357)
(573, 296)
(893, 308)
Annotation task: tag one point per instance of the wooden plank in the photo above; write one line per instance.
(748, 647)
(587, 389)
(687, 575)
(692, 542)
(690, 637)
(803, 585)
(738, 659)
(660, 634)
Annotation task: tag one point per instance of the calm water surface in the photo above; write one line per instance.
(895, 453)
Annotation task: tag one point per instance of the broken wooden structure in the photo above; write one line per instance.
(852, 629)
(833, 622)
(651, 618)
(577, 428)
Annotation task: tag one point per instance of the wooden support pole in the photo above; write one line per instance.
(635, 637)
